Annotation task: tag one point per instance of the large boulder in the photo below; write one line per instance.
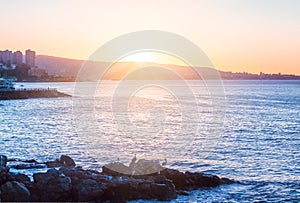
(67, 161)
(88, 185)
(21, 178)
(51, 186)
(4, 174)
(63, 161)
(124, 189)
(3, 161)
(78, 173)
(13, 191)
(88, 190)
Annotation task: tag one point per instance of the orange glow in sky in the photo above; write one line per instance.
(141, 57)
(154, 57)
(248, 35)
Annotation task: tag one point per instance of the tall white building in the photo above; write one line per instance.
(7, 56)
(30, 58)
(17, 58)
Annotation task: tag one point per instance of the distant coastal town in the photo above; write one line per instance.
(40, 68)
(23, 67)
(15, 64)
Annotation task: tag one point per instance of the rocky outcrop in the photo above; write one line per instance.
(129, 188)
(141, 167)
(13, 188)
(13, 191)
(24, 165)
(63, 161)
(191, 181)
(69, 183)
(181, 181)
(33, 164)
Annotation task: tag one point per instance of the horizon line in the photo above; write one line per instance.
(216, 68)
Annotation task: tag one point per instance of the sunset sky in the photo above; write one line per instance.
(237, 35)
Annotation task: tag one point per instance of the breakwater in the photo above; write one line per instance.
(66, 182)
(31, 93)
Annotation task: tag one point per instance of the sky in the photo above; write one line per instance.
(237, 35)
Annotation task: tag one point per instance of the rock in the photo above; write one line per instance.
(124, 189)
(63, 161)
(51, 186)
(53, 164)
(227, 181)
(3, 161)
(53, 172)
(144, 180)
(182, 192)
(27, 166)
(22, 178)
(67, 161)
(116, 169)
(11, 160)
(30, 161)
(164, 192)
(190, 181)
(91, 185)
(89, 190)
(68, 171)
(4, 176)
(144, 166)
(13, 191)
(88, 185)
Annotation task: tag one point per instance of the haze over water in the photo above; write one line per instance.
(259, 145)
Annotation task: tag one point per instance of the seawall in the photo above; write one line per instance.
(30, 93)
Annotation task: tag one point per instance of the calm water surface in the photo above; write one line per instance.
(258, 145)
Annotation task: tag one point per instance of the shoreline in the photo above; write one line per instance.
(64, 181)
(223, 79)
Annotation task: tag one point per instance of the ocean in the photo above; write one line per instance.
(249, 131)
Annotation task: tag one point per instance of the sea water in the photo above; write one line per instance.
(257, 144)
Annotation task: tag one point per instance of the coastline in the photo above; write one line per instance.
(64, 181)
(296, 78)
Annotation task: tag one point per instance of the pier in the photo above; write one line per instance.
(26, 93)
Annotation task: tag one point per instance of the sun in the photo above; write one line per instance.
(141, 57)
(153, 57)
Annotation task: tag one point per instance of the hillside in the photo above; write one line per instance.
(57, 66)
(131, 70)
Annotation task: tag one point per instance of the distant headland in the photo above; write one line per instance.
(41, 68)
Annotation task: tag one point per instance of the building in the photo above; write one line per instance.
(17, 58)
(7, 57)
(30, 58)
(38, 72)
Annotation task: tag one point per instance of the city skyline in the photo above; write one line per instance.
(251, 36)
(8, 57)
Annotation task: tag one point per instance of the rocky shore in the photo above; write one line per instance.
(64, 182)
